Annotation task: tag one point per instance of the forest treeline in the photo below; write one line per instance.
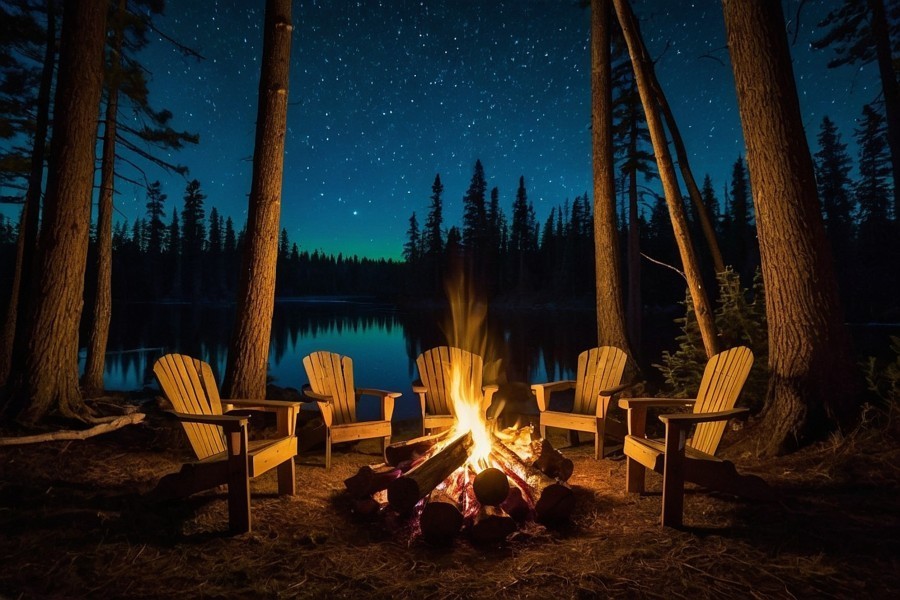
(193, 254)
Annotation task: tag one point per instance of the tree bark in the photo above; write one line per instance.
(249, 356)
(609, 301)
(405, 491)
(811, 386)
(641, 63)
(49, 378)
(92, 379)
(30, 219)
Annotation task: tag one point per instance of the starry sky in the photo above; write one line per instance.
(384, 94)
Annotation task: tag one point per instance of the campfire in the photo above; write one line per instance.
(449, 483)
(473, 476)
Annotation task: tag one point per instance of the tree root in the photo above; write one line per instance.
(104, 427)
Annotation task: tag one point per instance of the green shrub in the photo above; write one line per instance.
(740, 318)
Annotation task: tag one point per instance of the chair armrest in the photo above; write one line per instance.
(686, 419)
(263, 405)
(307, 392)
(554, 386)
(374, 392)
(226, 422)
(387, 400)
(542, 391)
(620, 388)
(628, 403)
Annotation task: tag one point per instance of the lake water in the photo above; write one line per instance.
(535, 346)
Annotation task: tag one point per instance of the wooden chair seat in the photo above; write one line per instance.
(225, 455)
(599, 378)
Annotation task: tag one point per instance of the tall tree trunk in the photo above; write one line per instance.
(92, 379)
(30, 219)
(610, 306)
(812, 383)
(641, 64)
(249, 354)
(890, 89)
(635, 305)
(687, 175)
(49, 379)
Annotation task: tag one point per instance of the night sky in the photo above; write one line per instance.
(384, 94)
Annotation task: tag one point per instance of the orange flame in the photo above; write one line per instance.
(468, 330)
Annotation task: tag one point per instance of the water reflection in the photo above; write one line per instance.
(383, 342)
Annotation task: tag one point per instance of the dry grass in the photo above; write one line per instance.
(74, 526)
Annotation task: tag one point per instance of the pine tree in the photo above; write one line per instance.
(872, 188)
(832, 177)
(155, 212)
(474, 225)
(413, 242)
(741, 235)
(860, 32)
(193, 238)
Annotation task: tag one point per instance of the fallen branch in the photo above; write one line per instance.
(53, 436)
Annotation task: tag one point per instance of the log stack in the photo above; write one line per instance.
(430, 479)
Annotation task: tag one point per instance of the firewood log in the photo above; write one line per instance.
(441, 518)
(553, 500)
(491, 486)
(549, 460)
(491, 525)
(366, 509)
(516, 506)
(405, 491)
(371, 479)
(399, 452)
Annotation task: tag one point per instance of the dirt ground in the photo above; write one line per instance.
(73, 525)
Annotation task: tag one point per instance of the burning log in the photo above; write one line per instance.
(551, 462)
(400, 452)
(491, 486)
(441, 518)
(371, 479)
(405, 491)
(491, 525)
(516, 506)
(553, 500)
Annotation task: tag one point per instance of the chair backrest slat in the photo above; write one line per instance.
(331, 374)
(190, 386)
(723, 379)
(598, 369)
(434, 370)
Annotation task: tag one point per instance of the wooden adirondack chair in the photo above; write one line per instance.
(599, 378)
(224, 453)
(680, 458)
(433, 385)
(331, 386)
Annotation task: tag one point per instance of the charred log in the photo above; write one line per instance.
(491, 486)
(549, 461)
(371, 479)
(553, 500)
(412, 449)
(405, 491)
(491, 525)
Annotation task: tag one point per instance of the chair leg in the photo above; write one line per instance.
(238, 482)
(385, 442)
(634, 476)
(673, 478)
(599, 439)
(543, 432)
(328, 450)
(287, 478)
(573, 438)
